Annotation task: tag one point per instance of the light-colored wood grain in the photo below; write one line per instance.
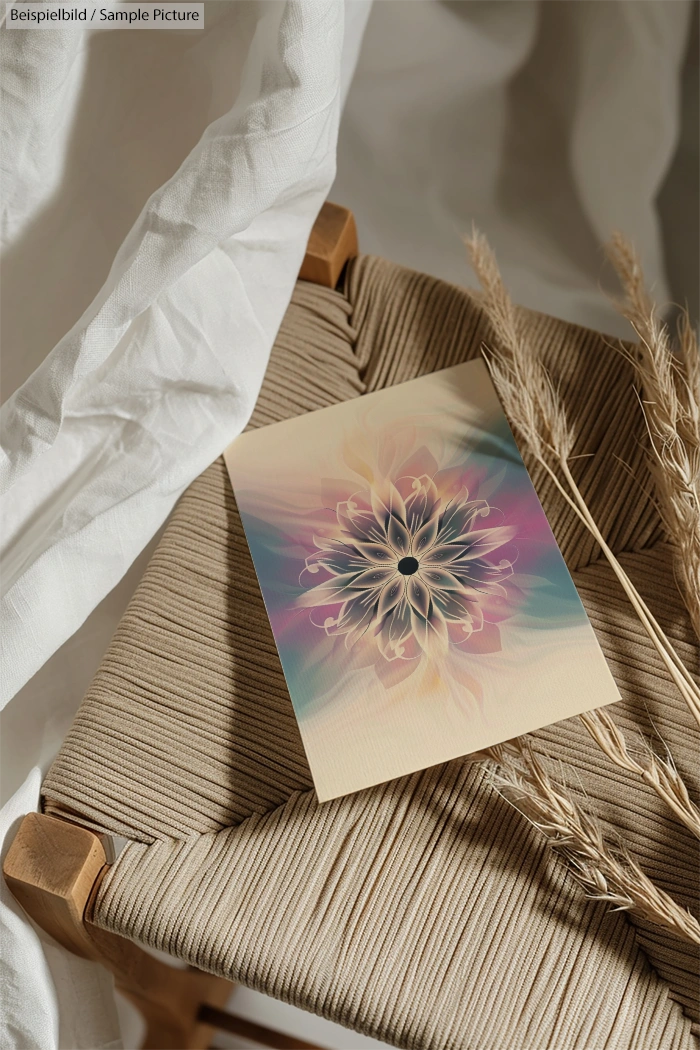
(168, 998)
(54, 869)
(332, 242)
(51, 868)
(258, 1033)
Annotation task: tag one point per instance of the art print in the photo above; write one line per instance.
(419, 602)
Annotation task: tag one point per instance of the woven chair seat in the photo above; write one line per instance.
(425, 912)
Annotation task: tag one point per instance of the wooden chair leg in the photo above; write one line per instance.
(54, 869)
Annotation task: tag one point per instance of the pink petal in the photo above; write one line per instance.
(359, 627)
(394, 631)
(459, 518)
(377, 576)
(443, 554)
(440, 578)
(455, 608)
(391, 595)
(388, 503)
(329, 592)
(479, 543)
(398, 536)
(425, 537)
(422, 461)
(487, 640)
(431, 633)
(378, 553)
(418, 595)
(422, 503)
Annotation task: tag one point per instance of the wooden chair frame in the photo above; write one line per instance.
(54, 866)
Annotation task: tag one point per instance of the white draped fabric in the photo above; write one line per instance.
(548, 124)
(157, 193)
(158, 189)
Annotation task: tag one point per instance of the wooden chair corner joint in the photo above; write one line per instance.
(332, 243)
(54, 869)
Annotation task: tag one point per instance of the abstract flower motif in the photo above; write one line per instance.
(407, 568)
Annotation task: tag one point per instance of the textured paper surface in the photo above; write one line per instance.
(419, 602)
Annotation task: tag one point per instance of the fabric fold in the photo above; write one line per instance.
(163, 368)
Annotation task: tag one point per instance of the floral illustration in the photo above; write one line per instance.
(407, 568)
(419, 603)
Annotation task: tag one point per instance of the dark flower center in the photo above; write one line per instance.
(407, 566)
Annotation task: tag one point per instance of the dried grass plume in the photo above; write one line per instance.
(670, 399)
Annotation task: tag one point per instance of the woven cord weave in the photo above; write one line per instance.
(425, 912)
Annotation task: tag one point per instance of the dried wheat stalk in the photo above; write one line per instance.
(534, 408)
(613, 877)
(660, 774)
(670, 399)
